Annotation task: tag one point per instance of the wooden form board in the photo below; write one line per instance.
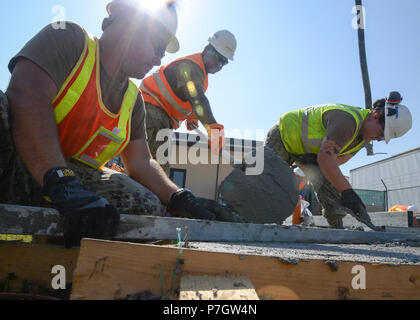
(224, 287)
(34, 263)
(112, 270)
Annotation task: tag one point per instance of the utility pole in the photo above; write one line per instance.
(363, 63)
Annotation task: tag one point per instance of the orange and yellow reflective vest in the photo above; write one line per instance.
(87, 130)
(157, 91)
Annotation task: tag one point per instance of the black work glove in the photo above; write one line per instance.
(85, 213)
(351, 200)
(184, 204)
(222, 213)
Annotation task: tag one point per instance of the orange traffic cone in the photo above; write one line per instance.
(296, 218)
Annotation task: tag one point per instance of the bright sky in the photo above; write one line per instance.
(291, 54)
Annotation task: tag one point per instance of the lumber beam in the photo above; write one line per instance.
(216, 287)
(109, 270)
(47, 222)
(31, 265)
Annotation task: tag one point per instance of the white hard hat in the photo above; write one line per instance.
(398, 121)
(224, 42)
(165, 14)
(413, 209)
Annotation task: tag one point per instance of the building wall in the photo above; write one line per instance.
(400, 174)
(201, 177)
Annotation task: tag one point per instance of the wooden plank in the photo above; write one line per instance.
(34, 263)
(111, 270)
(226, 287)
(40, 222)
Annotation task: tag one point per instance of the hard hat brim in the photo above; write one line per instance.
(223, 53)
(173, 46)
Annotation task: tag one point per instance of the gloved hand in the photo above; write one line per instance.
(86, 214)
(222, 213)
(351, 200)
(216, 134)
(184, 204)
(192, 123)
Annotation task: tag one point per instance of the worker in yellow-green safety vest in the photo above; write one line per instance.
(320, 138)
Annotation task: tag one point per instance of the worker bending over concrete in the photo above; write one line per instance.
(176, 92)
(70, 107)
(321, 138)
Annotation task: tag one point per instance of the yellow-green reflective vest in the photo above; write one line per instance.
(303, 131)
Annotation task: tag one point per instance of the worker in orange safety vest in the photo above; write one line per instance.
(176, 92)
(70, 107)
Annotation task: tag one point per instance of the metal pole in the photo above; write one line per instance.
(216, 195)
(386, 196)
(363, 64)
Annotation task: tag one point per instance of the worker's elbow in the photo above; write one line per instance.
(326, 161)
(320, 159)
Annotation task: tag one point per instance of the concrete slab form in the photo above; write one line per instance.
(47, 222)
(113, 270)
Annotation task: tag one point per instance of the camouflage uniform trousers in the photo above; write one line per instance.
(156, 119)
(18, 187)
(327, 195)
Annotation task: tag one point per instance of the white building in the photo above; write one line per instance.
(399, 176)
(203, 177)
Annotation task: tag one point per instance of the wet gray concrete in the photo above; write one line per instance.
(389, 253)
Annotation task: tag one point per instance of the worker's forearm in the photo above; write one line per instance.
(202, 110)
(328, 163)
(150, 174)
(34, 132)
(332, 173)
(343, 159)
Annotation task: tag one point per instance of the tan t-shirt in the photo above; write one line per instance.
(57, 51)
(341, 126)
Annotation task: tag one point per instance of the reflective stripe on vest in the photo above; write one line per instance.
(309, 122)
(88, 131)
(308, 143)
(78, 87)
(158, 92)
(165, 93)
(145, 90)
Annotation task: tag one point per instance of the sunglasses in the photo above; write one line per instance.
(382, 136)
(220, 58)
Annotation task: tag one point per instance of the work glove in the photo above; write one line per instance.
(184, 204)
(192, 123)
(86, 215)
(216, 134)
(351, 200)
